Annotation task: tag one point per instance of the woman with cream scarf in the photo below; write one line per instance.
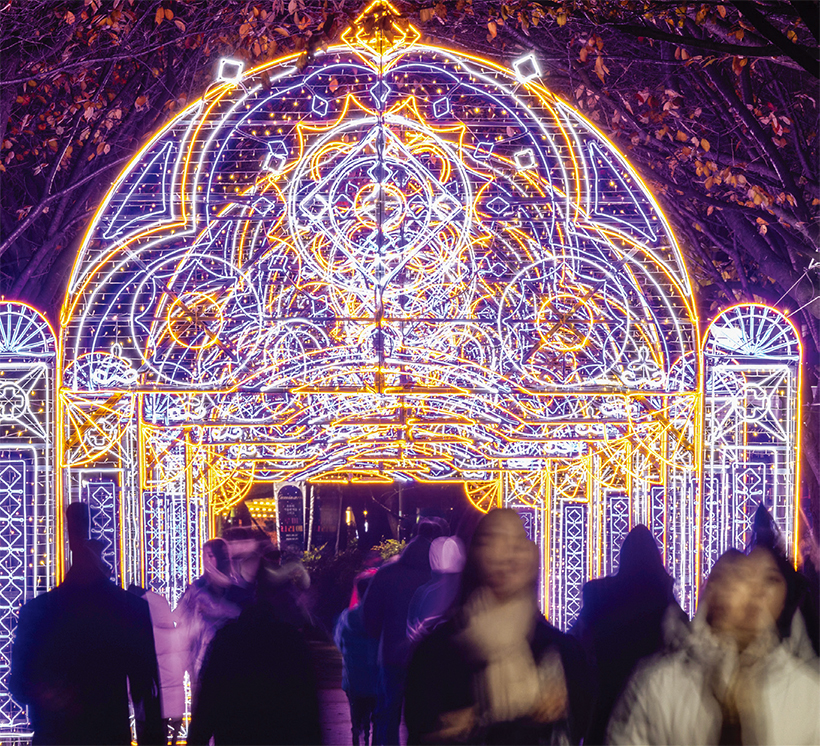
(496, 671)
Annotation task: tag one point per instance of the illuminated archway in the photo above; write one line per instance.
(400, 261)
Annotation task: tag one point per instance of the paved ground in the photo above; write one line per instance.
(332, 700)
(335, 711)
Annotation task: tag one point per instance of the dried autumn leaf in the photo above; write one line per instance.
(681, 136)
(493, 29)
(169, 14)
(160, 15)
(600, 68)
(705, 145)
(333, 85)
(244, 30)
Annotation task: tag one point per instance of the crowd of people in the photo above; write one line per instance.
(87, 651)
(446, 638)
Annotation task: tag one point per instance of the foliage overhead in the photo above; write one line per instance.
(714, 102)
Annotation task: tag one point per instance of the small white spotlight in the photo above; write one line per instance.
(524, 159)
(527, 68)
(230, 71)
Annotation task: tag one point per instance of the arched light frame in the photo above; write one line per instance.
(402, 262)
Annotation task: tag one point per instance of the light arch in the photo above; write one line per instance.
(400, 262)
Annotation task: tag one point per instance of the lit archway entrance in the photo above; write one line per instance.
(398, 262)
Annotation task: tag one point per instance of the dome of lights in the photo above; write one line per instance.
(393, 261)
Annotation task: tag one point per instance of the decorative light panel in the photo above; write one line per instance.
(27, 481)
(752, 368)
(396, 262)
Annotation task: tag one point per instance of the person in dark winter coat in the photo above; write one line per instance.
(496, 672)
(78, 649)
(801, 598)
(257, 684)
(384, 609)
(360, 672)
(621, 621)
(434, 599)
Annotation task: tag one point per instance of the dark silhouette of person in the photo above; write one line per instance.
(621, 621)
(384, 609)
(79, 648)
(495, 672)
(257, 683)
(801, 598)
(360, 670)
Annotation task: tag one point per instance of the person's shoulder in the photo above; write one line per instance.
(794, 669)
(353, 618)
(597, 592)
(38, 607)
(666, 672)
(547, 634)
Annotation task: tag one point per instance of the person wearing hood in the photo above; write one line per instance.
(360, 672)
(257, 684)
(207, 604)
(621, 620)
(432, 600)
(801, 596)
(729, 678)
(384, 609)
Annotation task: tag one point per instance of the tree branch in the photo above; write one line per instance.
(33, 214)
(751, 11)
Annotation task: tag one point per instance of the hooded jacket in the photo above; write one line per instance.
(675, 698)
(359, 654)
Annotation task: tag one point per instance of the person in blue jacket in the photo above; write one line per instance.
(360, 672)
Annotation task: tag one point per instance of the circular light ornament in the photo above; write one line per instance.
(195, 320)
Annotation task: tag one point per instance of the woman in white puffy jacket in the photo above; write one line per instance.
(729, 678)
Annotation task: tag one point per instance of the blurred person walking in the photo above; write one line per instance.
(384, 610)
(496, 672)
(257, 683)
(433, 599)
(621, 621)
(360, 671)
(730, 678)
(291, 580)
(206, 606)
(171, 657)
(80, 648)
(801, 605)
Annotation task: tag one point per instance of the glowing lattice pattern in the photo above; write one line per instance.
(399, 261)
(27, 471)
(752, 367)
